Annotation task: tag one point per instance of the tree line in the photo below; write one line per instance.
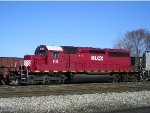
(136, 41)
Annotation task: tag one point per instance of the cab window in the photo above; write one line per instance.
(55, 55)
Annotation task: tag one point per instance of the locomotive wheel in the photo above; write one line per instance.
(114, 78)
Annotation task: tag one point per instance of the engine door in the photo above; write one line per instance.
(56, 60)
(72, 62)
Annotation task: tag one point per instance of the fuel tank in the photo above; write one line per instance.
(90, 77)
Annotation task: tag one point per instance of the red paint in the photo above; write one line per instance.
(84, 60)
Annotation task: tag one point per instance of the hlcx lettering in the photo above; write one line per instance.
(98, 58)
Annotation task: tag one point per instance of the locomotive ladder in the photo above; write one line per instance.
(24, 77)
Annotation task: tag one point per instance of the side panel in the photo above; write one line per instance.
(91, 62)
(69, 62)
(8, 64)
(97, 62)
(55, 62)
(73, 62)
(119, 63)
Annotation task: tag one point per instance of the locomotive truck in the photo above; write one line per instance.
(68, 64)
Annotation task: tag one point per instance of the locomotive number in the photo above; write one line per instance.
(55, 61)
(98, 58)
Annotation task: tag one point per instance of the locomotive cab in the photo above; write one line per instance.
(45, 58)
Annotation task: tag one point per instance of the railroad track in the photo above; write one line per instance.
(63, 89)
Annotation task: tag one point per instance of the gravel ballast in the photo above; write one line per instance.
(75, 103)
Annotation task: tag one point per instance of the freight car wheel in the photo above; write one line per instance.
(14, 82)
(2, 81)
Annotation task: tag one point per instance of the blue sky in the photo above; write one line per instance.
(25, 25)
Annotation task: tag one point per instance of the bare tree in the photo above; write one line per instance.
(147, 41)
(136, 41)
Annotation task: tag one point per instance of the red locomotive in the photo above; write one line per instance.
(77, 59)
(52, 64)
